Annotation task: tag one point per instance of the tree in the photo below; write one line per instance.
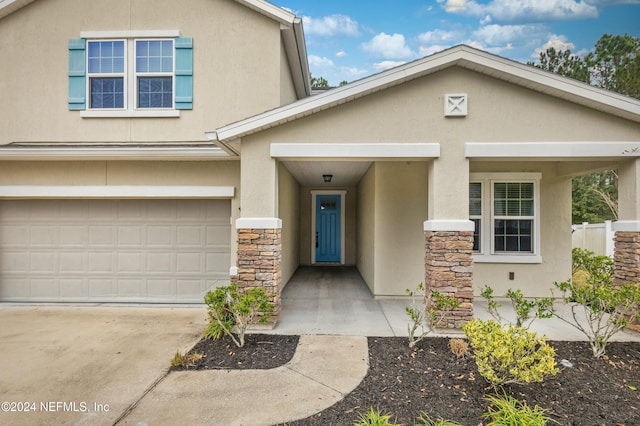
(318, 82)
(564, 63)
(595, 197)
(614, 64)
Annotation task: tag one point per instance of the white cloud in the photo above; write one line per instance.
(341, 54)
(557, 42)
(531, 10)
(385, 65)
(330, 26)
(430, 50)
(503, 35)
(388, 46)
(320, 62)
(440, 36)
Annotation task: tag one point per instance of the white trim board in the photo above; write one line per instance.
(192, 153)
(355, 150)
(551, 149)
(115, 191)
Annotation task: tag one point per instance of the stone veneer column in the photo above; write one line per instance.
(449, 267)
(260, 258)
(626, 258)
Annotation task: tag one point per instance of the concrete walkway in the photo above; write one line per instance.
(323, 370)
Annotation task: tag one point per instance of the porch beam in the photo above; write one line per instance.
(317, 151)
(552, 150)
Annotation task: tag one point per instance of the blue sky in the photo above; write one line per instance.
(351, 39)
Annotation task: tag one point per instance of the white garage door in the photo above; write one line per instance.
(113, 250)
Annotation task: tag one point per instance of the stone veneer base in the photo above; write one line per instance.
(449, 270)
(259, 263)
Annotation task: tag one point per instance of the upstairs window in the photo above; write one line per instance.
(130, 75)
(105, 65)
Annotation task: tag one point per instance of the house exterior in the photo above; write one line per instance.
(454, 170)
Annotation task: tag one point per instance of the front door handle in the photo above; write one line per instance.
(316, 239)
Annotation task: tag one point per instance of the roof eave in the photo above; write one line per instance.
(464, 56)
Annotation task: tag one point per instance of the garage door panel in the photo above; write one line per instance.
(113, 250)
(72, 262)
(73, 289)
(43, 262)
(43, 235)
(72, 235)
(160, 236)
(101, 235)
(189, 235)
(14, 236)
(160, 263)
(131, 262)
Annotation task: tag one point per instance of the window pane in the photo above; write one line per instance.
(106, 57)
(154, 56)
(475, 199)
(155, 92)
(513, 236)
(513, 199)
(107, 93)
(476, 234)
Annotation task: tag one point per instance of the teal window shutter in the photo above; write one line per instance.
(77, 74)
(184, 73)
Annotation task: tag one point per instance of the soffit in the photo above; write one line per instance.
(9, 6)
(344, 173)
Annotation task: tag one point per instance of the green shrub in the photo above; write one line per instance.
(509, 355)
(598, 309)
(434, 309)
(232, 311)
(374, 418)
(526, 310)
(506, 410)
(600, 267)
(425, 420)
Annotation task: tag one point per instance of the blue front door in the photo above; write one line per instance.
(328, 228)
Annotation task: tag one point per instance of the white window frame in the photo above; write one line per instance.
(137, 74)
(487, 253)
(130, 100)
(122, 75)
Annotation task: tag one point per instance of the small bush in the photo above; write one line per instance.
(459, 347)
(233, 311)
(511, 355)
(506, 410)
(434, 310)
(425, 420)
(186, 360)
(526, 310)
(374, 418)
(599, 310)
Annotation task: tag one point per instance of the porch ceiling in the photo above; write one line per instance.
(345, 173)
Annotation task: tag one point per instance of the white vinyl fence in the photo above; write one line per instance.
(596, 237)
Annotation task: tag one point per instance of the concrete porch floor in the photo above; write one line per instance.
(335, 300)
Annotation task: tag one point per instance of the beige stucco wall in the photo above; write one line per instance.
(238, 68)
(401, 209)
(289, 212)
(365, 224)
(414, 112)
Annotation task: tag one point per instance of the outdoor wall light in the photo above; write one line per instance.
(327, 178)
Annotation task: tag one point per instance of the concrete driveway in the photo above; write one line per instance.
(89, 364)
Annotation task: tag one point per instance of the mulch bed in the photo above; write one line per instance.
(429, 378)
